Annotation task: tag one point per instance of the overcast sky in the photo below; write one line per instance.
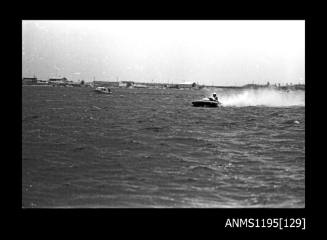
(207, 52)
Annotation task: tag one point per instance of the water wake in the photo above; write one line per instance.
(262, 97)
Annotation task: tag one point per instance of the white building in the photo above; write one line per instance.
(187, 85)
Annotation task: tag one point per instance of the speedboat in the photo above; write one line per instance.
(206, 102)
(103, 90)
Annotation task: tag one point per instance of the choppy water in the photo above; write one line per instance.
(151, 148)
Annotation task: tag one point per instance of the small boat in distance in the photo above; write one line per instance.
(105, 90)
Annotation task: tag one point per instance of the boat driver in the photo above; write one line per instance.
(214, 96)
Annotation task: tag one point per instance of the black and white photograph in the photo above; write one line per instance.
(163, 114)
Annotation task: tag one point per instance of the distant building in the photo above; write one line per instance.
(136, 85)
(75, 84)
(154, 85)
(299, 86)
(121, 84)
(128, 83)
(105, 84)
(42, 81)
(58, 80)
(187, 85)
(172, 86)
(32, 80)
(253, 86)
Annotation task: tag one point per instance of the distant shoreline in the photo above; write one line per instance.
(64, 82)
(199, 87)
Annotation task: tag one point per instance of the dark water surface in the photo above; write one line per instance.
(151, 148)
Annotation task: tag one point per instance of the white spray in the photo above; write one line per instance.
(261, 97)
